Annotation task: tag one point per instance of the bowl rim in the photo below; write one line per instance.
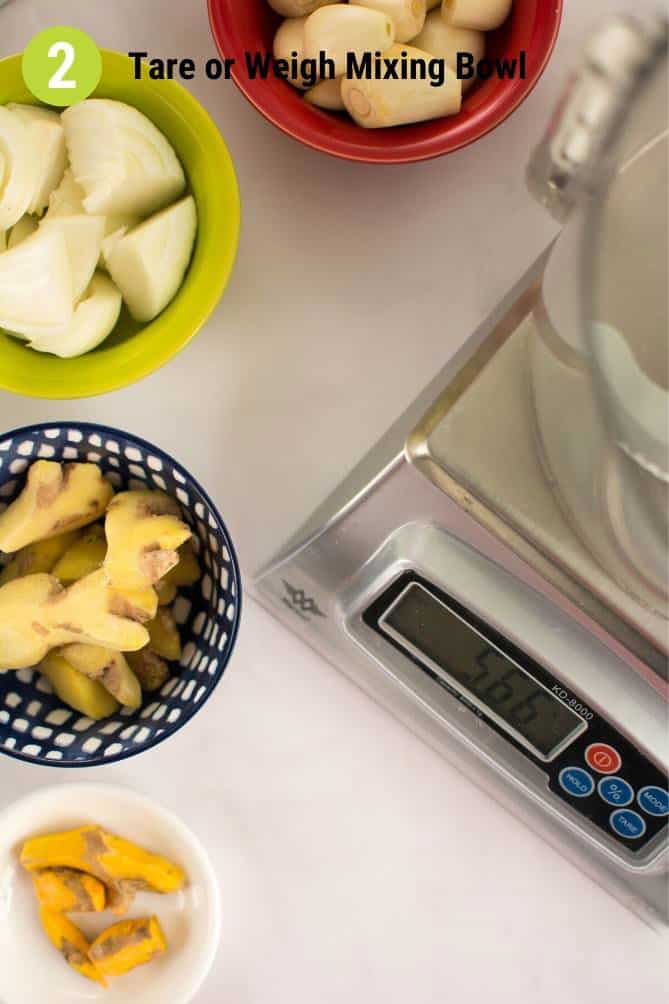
(135, 369)
(444, 145)
(189, 714)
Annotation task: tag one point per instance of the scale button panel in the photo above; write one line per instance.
(603, 758)
(654, 800)
(627, 824)
(589, 764)
(576, 782)
(616, 791)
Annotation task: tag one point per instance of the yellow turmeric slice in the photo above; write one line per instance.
(111, 859)
(71, 943)
(66, 891)
(126, 945)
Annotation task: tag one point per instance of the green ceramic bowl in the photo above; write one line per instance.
(133, 351)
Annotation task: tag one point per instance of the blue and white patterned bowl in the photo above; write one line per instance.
(34, 725)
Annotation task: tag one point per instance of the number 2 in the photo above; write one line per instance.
(58, 80)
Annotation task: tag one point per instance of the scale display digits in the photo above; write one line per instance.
(513, 693)
(480, 670)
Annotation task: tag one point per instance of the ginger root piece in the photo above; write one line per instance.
(108, 668)
(164, 635)
(128, 944)
(86, 555)
(39, 557)
(76, 690)
(110, 858)
(166, 592)
(188, 571)
(66, 891)
(151, 671)
(55, 498)
(143, 532)
(37, 614)
(137, 604)
(71, 943)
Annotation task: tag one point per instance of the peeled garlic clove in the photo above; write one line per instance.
(18, 160)
(343, 28)
(483, 15)
(377, 104)
(446, 42)
(48, 137)
(289, 40)
(297, 8)
(26, 226)
(408, 16)
(327, 94)
(94, 319)
(83, 238)
(36, 285)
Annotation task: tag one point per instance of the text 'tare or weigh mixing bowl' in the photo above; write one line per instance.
(133, 351)
(36, 726)
(532, 26)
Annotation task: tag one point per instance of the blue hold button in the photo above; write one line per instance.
(654, 801)
(576, 781)
(627, 824)
(615, 791)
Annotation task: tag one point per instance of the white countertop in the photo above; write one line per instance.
(355, 864)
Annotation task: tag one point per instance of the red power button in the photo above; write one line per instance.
(603, 758)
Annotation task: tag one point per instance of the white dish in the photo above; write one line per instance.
(32, 970)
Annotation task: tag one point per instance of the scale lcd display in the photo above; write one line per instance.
(427, 628)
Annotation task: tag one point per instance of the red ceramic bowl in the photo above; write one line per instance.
(241, 26)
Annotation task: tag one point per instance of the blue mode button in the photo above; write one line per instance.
(576, 781)
(627, 824)
(653, 800)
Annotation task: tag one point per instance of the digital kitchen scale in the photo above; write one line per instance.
(479, 573)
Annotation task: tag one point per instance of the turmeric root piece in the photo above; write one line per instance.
(164, 635)
(71, 943)
(86, 696)
(110, 858)
(84, 556)
(37, 614)
(55, 498)
(126, 945)
(39, 557)
(143, 531)
(108, 668)
(188, 571)
(63, 890)
(151, 671)
(121, 896)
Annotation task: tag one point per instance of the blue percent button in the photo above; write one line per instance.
(654, 800)
(615, 791)
(576, 781)
(627, 824)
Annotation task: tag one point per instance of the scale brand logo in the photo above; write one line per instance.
(301, 604)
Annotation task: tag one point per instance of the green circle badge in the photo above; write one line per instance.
(62, 66)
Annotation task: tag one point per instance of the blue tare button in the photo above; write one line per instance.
(627, 824)
(654, 801)
(576, 781)
(615, 791)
